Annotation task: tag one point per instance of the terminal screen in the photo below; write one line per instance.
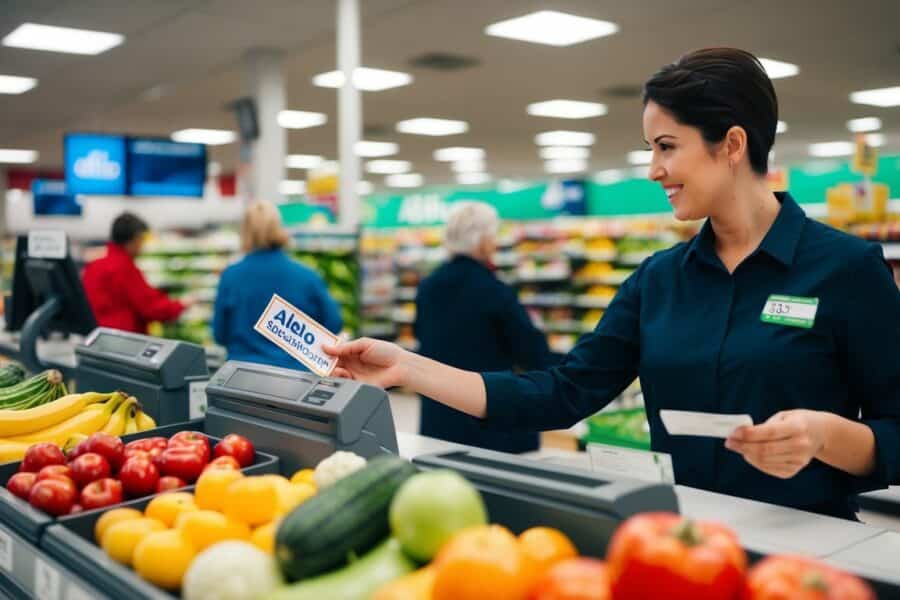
(268, 384)
(118, 345)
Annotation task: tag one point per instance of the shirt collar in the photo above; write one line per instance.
(780, 242)
(113, 248)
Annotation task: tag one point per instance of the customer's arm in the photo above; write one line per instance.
(595, 372)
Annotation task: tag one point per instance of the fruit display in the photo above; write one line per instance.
(11, 374)
(31, 392)
(67, 420)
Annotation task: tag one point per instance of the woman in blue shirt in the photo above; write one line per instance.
(246, 287)
(764, 312)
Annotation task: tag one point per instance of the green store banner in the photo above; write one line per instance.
(807, 182)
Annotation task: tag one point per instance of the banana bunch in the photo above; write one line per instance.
(68, 420)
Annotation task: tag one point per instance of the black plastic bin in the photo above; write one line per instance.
(30, 522)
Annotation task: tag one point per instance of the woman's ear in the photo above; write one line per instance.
(735, 145)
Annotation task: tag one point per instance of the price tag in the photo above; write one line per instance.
(6, 552)
(47, 244)
(47, 581)
(790, 310)
(655, 467)
(197, 399)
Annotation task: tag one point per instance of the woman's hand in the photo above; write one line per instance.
(371, 361)
(784, 444)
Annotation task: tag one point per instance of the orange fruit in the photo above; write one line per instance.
(166, 507)
(252, 500)
(263, 537)
(211, 487)
(304, 476)
(293, 495)
(111, 517)
(120, 539)
(163, 557)
(206, 527)
(543, 547)
(481, 562)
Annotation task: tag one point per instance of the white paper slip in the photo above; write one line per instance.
(298, 334)
(654, 467)
(686, 422)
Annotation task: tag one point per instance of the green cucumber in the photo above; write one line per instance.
(343, 520)
(357, 581)
(11, 374)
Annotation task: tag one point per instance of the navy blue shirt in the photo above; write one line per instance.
(467, 318)
(245, 289)
(692, 332)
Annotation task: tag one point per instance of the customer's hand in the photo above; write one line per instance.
(371, 361)
(784, 444)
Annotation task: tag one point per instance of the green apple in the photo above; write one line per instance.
(430, 507)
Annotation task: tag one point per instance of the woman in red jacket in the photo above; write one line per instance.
(118, 293)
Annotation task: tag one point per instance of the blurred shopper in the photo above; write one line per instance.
(118, 293)
(765, 313)
(247, 286)
(468, 318)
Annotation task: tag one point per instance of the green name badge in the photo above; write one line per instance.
(790, 310)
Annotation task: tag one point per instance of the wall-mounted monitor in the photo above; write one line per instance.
(51, 197)
(159, 167)
(95, 164)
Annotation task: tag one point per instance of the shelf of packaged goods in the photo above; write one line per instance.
(891, 250)
(403, 316)
(546, 300)
(611, 279)
(502, 260)
(586, 301)
(405, 294)
(602, 257)
(378, 330)
(377, 300)
(576, 327)
(634, 258)
(524, 277)
(187, 250)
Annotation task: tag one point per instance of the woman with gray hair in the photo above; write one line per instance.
(467, 318)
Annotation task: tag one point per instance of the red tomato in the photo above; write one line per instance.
(237, 446)
(168, 483)
(53, 496)
(100, 493)
(152, 446)
(801, 578)
(20, 484)
(76, 508)
(224, 462)
(108, 446)
(573, 579)
(690, 560)
(183, 462)
(139, 476)
(55, 472)
(194, 440)
(40, 455)
(89, 467)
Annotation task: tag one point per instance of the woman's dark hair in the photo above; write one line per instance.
(126, 227)
(715, 89)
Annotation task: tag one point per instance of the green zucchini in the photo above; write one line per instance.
(343, 520)
(11, 374)
(26, 391)
(357, 581)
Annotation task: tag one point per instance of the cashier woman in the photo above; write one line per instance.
(765, 312)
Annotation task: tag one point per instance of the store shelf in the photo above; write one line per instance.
(592, 301)
(891, 250)
(406, 294)
(546, 300)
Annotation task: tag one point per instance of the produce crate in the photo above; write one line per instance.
(30, 522)
(625, 428)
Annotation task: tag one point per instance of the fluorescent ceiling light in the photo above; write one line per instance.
(457, 153)
(12, 84)
(877, 97)
(428, 126)
(551, 27)
(468, 166)
(776, 69)
(301, 119)
(365, 79)
(876, 140)
(388, 167)
(303, 161)
(62, 39)
(210, 137)
(640, 157)
(292, 186)
(864, 124)
(19, 157)
(566, 109)
(364, 188)
(565, 166)
(828, 149)
(410, 180)
(609, 176)
(376, 149)
(473, 178)
(564, 138)
(564, 152)
(781, 127)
